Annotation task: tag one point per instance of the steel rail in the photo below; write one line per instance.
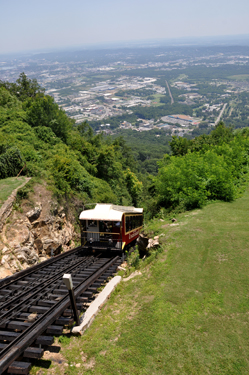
(18, 276)
(32, 286)
(41, 287)
(27, 337)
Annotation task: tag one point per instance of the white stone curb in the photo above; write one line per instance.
(89, 315)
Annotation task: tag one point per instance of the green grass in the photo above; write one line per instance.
(157, 100)
(240, 77)
(181, 77)
(7, 185)
(188, 313)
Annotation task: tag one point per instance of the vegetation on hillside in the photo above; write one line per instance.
(35, 132)
(147, 148)
(206, 168)
(186, 313)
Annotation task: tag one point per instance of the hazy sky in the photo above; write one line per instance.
(32, 24)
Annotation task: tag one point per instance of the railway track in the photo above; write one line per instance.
(35, 304)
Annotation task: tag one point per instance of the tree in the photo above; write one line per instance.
(27, 88)
(43, 111)
(134, 186)
(179, 145)
(23, 88)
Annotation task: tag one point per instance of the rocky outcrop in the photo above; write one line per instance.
(34, 214)
(153, 243)
(146, 244)
(34, 237)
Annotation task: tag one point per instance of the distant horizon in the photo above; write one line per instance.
(222, 40)
(27, 26)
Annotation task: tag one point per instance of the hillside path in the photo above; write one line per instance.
(6, 208)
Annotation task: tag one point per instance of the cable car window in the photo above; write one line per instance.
(92, 223)
(133, 222)
(105, 226)
(83, 225)
(127, 223)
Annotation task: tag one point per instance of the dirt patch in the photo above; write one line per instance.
(40, 196)
(4, 272)
(221, 257)
(55, 361)
(89, 365)
(54, 357)
(134, 274)
(163, 258)
(148, 299)
(165, 226)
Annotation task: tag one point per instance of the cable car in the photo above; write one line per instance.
(110, 227)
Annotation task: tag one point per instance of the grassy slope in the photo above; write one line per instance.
(7, 185)
(187, 313)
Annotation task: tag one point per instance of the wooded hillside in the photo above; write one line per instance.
(37, 134)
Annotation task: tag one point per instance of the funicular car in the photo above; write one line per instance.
(110, 227)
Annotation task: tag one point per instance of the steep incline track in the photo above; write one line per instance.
(32, 302)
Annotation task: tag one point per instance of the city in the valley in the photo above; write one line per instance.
(178, 90)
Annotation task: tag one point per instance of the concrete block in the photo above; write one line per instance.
(89, 315)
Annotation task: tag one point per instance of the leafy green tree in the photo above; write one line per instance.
(189, 181)
(7, 100)
(179, 145)
(109, 169)
(221, 133)
(134, 186)
(27, 88)
(11, 162)
(43, 111)
(23, 88)
(46, 135)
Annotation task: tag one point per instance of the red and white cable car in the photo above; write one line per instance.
(111, 227)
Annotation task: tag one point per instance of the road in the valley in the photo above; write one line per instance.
(221, 113)
(171, 97)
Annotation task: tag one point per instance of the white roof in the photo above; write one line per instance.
(108, 212)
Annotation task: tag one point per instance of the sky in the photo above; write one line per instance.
(34, 25)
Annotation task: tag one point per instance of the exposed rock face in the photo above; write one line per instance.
(153, 243)
(34, 214)
(34, 236)
(26, 243)
(146, 244)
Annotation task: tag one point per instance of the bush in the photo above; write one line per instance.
(189, 181)
(11, 162)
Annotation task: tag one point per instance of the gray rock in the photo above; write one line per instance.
(22, 258)
(39, 245)
(6, 250)
(5, 260)
(142, 243)
(153, 243)
(34, 214)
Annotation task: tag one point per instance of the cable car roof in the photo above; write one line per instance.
(108, 212)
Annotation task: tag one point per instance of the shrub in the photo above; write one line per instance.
(11, 162)
(189, 181)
